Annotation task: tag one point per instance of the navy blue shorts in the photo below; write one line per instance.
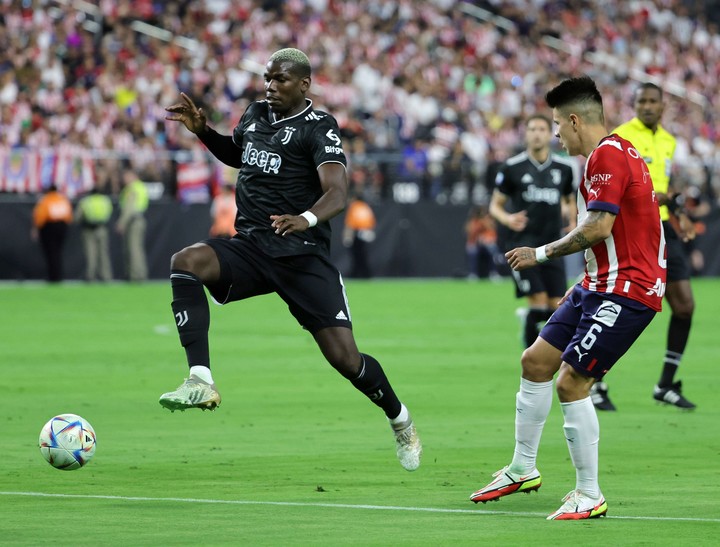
(593, 330)
(310, 285)
(548, 277)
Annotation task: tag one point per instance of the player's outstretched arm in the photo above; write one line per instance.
(221, 146)
(593, 229)
(188, 113)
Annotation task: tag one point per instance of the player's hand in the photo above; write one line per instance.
(687, 227)
(521, 258)
(566, 295)
(287, 224)
(517, 221)
(186, 112)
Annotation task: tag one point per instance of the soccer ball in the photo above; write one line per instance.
(67, 442)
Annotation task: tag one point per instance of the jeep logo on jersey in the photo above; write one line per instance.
(533, 194)
(269, 162)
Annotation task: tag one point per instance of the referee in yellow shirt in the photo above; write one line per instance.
(132, 225)
(93, 212)
(657, 148)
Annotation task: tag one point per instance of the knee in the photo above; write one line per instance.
(345, 362)
(339, 349)
(182, 260)
(194, 259)
(564, 388)
(533, 368)
(572, 386)
(684, 309)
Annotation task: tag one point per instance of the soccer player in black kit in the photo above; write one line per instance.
(531, 191)
(292, 181)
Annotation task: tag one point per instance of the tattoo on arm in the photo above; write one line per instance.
(583, 237)
(582, 241)
(570, 244)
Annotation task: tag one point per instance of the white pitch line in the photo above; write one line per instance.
(335, 506)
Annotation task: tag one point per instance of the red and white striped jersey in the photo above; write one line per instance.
(631, 261)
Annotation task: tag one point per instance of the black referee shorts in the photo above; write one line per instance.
(678, 267)
(310, 285)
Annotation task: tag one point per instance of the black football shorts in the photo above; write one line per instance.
(310, 285)
(678, 267)
(548, 277)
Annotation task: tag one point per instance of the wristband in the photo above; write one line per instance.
(310, 217)
(540, 255)
(676, 203)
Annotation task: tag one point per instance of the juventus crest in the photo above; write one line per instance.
(287, 135)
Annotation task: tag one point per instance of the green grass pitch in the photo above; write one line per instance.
(295, 456)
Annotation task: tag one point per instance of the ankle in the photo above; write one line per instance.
(202, 372)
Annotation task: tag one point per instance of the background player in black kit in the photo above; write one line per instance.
(534, 191)
(292, 181)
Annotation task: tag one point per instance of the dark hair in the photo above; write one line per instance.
(581, 95)
(648, 85)
(539, 117)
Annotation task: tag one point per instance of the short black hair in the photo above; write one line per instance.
(649, 85)
(541, 117)
(579, 93)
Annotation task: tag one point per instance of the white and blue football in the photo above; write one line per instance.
(67, 442)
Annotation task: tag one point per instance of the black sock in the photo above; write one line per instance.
(192, 316)
(376, 387)
(534, 317)
(678, 334)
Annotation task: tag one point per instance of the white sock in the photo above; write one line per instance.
(202, 372)
(582, 432)
(532, 407)
(402, 417)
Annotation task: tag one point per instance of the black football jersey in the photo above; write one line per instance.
(279, 175)
(538, 189)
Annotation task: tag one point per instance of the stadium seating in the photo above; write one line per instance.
(447, 80)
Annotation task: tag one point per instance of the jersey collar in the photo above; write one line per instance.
(273, 121)
(539, 166)
(639, 126)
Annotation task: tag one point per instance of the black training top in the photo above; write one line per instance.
(278, 162)
(536, 188)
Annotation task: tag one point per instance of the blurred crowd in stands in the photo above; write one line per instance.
(430, 95)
